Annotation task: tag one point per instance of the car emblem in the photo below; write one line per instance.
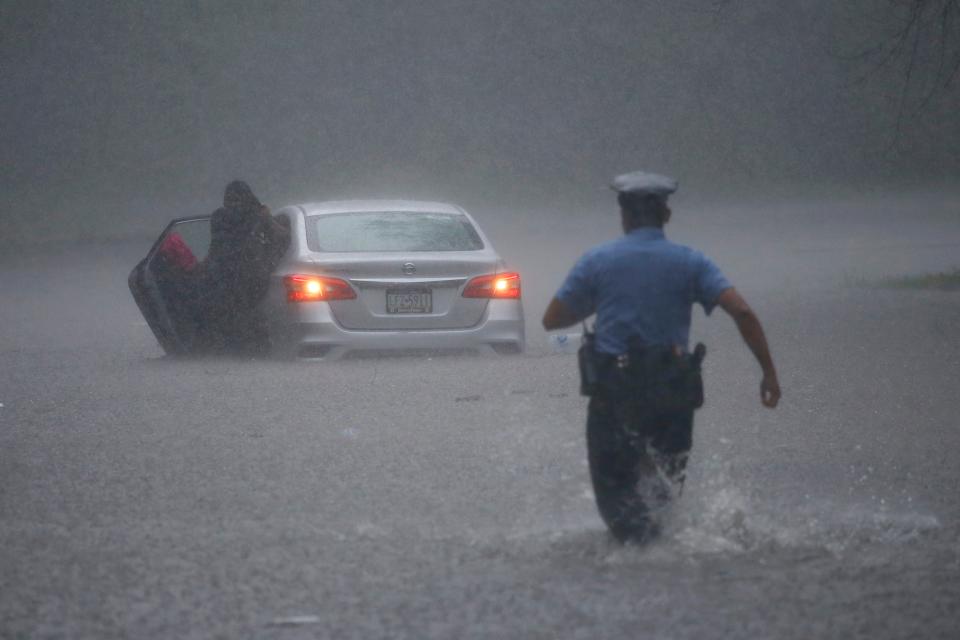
(409, 268)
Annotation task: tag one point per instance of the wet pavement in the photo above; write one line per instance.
(449, 496)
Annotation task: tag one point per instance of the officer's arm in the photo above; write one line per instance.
(558, 316)
(752, 332)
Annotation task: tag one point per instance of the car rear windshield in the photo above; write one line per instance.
(392, 231)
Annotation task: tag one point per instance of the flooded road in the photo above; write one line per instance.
(449, 496)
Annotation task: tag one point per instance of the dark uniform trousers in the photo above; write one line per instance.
(637, 455)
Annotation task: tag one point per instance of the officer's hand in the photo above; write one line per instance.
(769, 390)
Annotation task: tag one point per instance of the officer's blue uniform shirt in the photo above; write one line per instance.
(641, 286)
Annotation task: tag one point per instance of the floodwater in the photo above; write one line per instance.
(449, 496)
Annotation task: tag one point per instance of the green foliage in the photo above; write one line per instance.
(943, 281)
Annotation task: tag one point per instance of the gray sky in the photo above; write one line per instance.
(117, 116)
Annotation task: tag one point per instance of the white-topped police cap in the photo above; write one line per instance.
(647, 183)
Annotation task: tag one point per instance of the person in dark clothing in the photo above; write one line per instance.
(645, 383)
(246, 243)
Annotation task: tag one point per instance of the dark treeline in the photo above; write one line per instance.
(117, 116)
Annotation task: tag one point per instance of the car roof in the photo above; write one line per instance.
(369, 206)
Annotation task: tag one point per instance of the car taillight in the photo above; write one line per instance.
(317, 289)
(497, 285)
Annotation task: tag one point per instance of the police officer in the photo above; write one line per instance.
(642, 288)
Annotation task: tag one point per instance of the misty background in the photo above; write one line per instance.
(818, 148)
(119, 116)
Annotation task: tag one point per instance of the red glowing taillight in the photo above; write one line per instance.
(496, 285)
(317, 289)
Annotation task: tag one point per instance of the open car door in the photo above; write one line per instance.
(167, 284)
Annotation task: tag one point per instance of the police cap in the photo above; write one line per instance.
(641, 183)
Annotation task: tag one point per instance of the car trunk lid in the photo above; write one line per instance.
(408, 291)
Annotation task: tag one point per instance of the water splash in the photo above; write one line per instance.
(723, 517)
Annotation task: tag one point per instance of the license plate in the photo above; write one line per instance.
(409, 301)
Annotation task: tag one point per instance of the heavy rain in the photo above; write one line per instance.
(447, 495)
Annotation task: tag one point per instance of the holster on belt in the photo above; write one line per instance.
(590, 364)
(668, 379)
(661, 378)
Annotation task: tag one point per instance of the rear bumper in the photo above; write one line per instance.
(308, 330)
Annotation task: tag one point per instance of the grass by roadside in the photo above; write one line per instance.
(943, 281)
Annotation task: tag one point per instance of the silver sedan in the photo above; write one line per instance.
(367, 276)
